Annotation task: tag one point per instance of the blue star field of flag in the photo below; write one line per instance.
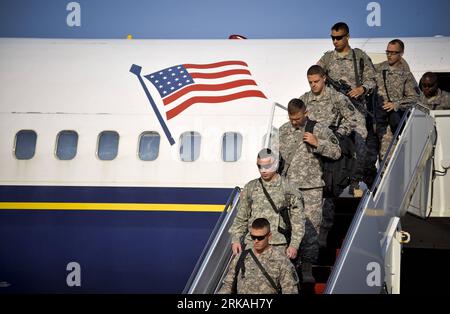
(170, 80)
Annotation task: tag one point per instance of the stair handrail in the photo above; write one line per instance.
(197, 282)
(363, 251)
(383, 163)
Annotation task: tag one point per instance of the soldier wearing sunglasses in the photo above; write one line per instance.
(433, 97)
(355, 68)
(339, 64)
(261, 269)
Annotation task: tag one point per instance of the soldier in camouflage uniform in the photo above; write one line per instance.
(333, 109)
(397, 92)
(250, 278)
(303, 168)
(254, 204)
(329, 107)
(433, 97)
(339, 64)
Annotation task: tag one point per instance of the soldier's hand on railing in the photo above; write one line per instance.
(236, 248)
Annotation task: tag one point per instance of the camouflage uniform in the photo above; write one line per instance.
(304, 170)
(341, 67)
(401, 89)
(277, 265)
(337, 67)
(439, 102)
(254, 204)
(335, 110)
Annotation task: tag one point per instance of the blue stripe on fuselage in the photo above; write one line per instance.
(101, 194)
(118, 251)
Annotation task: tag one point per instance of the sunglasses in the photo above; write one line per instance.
(266, 167)
(390, 52)
(259, 238)
(338, 37)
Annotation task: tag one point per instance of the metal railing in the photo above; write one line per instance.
(359, 267)
(217, 253)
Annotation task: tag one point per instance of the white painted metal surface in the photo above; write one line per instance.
(49, 85)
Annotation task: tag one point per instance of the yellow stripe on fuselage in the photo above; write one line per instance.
(111, 206)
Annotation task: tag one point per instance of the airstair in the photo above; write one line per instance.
(364, 248)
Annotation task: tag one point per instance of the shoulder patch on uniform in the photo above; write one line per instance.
(351, 107)
(334, 140)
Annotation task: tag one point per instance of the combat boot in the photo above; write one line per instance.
(307, 276)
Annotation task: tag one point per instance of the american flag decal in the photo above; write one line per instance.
(183, 85)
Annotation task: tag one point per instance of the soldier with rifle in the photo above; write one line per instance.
(351, 72)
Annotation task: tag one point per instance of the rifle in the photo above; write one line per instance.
(343, 87)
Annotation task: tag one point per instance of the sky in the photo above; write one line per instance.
(217, 19)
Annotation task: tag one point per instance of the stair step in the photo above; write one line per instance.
(319, 288)
(310, 289)
(307, 288)
(321, 273)
(345, 208)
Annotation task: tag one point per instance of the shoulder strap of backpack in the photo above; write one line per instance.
(263, 270)
(239, 265)
(309, 127)
(357, 78)
(384, 72)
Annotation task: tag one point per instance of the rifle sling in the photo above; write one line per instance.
(284, 215)
(385, 86)
(357, 78)
(268, 196)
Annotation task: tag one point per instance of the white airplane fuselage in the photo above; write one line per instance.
(127, 224)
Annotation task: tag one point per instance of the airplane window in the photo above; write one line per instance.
(190, 146)
(66, 145)
(108, 145)
(231, 146)
(149, 146)
(25, 144)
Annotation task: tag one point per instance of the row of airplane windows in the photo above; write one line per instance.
(108, 145)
